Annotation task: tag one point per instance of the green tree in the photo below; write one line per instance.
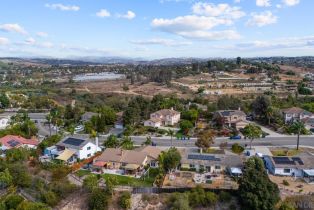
(5, 178)
(50, 198)
(179, 201)
(297, 127)
(148, 140)
(260, 106)
(27, 205)
(127, 143)
(186, 126)
(112, 142)
(205, 139)
(170, 159)
(256, 191)
(125, 200)
(90, 182)
(286, 206)
(12, 201)
(171, 134)
(252, 132)
(4, 101)
(98, 200)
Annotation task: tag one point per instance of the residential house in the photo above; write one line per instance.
(72, 149)
(87, 116)
(4, 122)
(152, 153)
(231, 118)
(298, 166)
(163, 117)
(295, 114)
(12, 141)
(213, 163)
(126, 161)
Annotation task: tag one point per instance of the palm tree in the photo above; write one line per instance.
(49, 118)
(269, 113)
(297, 127)
(171, 133)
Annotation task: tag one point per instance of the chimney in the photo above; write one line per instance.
(239, 108)
(121, 150)
(171, 108)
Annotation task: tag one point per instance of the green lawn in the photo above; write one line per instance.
(81, 173)
(285, 152)
(134, 182)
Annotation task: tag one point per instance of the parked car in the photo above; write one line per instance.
(235, 137)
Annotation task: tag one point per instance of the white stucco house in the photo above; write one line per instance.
(72, 149)
(295, 114)
(301, 166)
(163, 117)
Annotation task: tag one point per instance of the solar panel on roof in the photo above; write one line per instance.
(297, 159)
(202, 157)
(13, 143)
(73, 141)
(283, 160)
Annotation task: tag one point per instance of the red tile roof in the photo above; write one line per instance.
(19, 141)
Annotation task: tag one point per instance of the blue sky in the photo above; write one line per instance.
(156, 28)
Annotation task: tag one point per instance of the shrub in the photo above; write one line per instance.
(50, 198)
(12, 201)
(236, 148)
(224, 196)
(98, 199)
(285, 182)
(125, 200)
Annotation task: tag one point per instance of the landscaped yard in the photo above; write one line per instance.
(134, 182)
(81, 173)
(285, 152)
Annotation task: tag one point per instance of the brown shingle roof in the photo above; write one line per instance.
(122, 156)
(295, 110)
(165, 112)
(150, 151)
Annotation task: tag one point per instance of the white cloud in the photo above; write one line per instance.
(219, 10)
(280, 43)
(129, 15)
(46, 45)
(42, 34)
(103, 13)
(4, 41)
(279, 6)
(262, 19)
(237, 1)
(159, 41)
(13, 27)
(30, 41)
(290, 2)
(63, 7)
(210, 35)
(188, 23)
(263, 3)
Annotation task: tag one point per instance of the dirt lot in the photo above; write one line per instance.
(116, 86)
(296, 187)
(185, 179)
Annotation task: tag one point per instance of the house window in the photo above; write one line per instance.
(286, 170)
(192, 166)
(217, 167)
(89, 155)
(88, 148)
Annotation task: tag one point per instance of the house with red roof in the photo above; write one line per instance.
(12, 141)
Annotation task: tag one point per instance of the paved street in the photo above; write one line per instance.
(268, 141)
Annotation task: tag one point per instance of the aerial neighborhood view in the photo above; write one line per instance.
(157, 105)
